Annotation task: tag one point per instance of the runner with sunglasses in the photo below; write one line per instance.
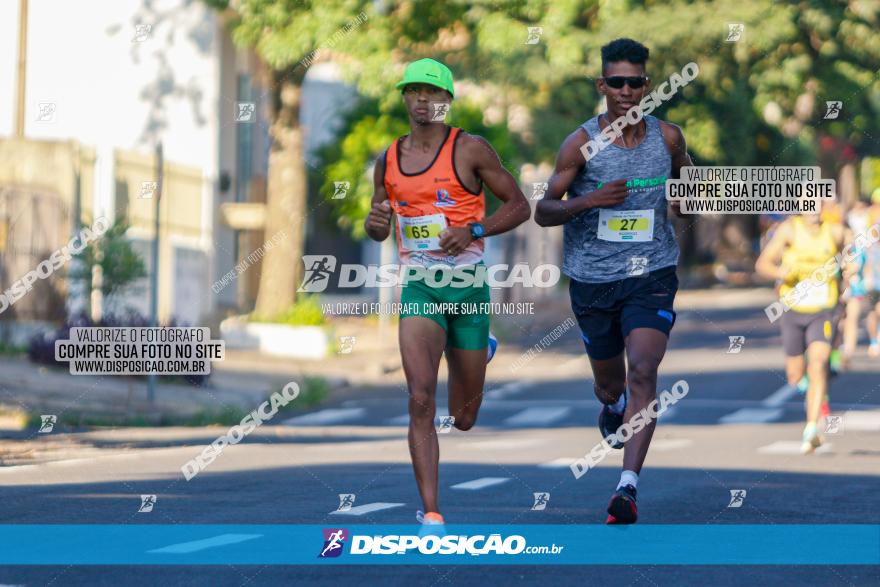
(431, 181)
(620, 252)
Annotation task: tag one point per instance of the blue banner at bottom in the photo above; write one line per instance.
(483, 544)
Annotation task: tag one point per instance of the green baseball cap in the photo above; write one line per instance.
(428, 71)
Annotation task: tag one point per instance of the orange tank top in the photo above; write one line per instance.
(424, 201)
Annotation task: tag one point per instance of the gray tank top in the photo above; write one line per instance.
(618, 253)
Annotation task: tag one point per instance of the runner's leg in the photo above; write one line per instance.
(467, 374)
(609, 376)
(466, 357)
(817, 370)
(872, 324)
(645, 348)
(851, 327)
(421, 346)
(795, 369)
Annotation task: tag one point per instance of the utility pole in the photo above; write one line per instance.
(154, 274)
(22, 69)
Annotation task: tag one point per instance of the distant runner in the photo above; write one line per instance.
(620, 253)
(872, 280)
(855, 294)
(432, 182)
(801, 245)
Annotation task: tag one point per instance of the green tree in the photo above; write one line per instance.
(120, 264)
(285, 35)
(365, 135)
(757, 101)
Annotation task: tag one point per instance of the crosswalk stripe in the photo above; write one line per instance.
(196, 545)
(862, 421)
(780, 396)
(790, 447)
(403, 419)
(560, 463)
(503, 391)
(664, 444)
(366, 509)
(481, 483)
(538, 416)
(752, 416)
(503, 444)
(668, 414)
(329, 416)
(770, 410)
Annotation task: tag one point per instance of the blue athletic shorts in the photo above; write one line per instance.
(608, 312)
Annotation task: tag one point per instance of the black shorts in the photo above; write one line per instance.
(800, 330)
(608, 312)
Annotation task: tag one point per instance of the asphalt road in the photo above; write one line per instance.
(738, 429)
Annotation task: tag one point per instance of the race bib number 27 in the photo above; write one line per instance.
(626, 225)
(421, 233)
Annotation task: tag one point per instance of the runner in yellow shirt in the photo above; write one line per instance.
(796, 256)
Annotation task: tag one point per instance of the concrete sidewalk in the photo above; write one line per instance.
(28, 388)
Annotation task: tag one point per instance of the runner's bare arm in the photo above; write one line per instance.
(378, 222)
(674, 139)
(487, 166)
(769, 262)
(553, 210)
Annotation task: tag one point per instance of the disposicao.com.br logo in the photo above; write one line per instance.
(320, 268)
(450, 544)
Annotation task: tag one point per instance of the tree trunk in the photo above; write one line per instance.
(286, 195)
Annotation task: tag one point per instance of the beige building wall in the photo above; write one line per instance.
(39, 181)
(180, 215)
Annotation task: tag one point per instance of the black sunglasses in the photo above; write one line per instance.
(617, 81)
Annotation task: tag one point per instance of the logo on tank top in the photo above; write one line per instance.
(444, 200)
(642, 182)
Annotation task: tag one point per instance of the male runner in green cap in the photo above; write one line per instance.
(432, 182)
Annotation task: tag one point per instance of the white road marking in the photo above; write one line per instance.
(667, 444)
(481, 483)
(790, 447)
(538, 416)
(329, 416)
(503, 444)
(780, 396)
(366, 509)
(752, 416)
(668, 414)
(513, 404)
(771, 408)
(560, 463)
(403, 419)
(861, 421)
(506, 389)
(196, 545)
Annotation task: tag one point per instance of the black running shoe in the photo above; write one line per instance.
(609, 422)
(622, 507)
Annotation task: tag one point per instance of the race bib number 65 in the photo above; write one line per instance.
(626, 225)
(421, 233)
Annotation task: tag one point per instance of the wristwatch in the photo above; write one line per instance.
(477, 230)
